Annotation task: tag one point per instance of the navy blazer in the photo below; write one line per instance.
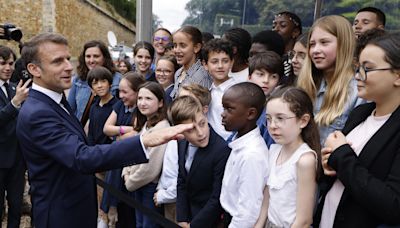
(61, 165)
(198, 191)
(372, 180)
(9, 151)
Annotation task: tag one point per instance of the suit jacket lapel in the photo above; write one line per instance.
(198, 158)
(71, 119)
(12, 89)
(3, 96)
(202, 153)
(182, 150)
(380, 138)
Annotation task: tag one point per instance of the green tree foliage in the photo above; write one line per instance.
(202, 13)
(260, 13)
(125, 8)
(304, 9)
(391, 8)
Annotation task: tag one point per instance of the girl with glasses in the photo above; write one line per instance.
(289, 196)
(165, 71)
(361, 163)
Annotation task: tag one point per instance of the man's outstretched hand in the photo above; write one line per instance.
(161, 136)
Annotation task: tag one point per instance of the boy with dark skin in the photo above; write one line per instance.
(245, 170)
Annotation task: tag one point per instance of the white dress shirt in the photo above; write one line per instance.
(166, 188)
(240, 76)
(4, 88)
(215, 108)
(244, 179)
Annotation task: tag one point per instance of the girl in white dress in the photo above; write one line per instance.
(289, 196)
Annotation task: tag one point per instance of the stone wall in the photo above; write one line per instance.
(78, 20)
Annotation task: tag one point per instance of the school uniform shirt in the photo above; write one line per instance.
(98, 116)
(359, 136)
(196, 74)
(240, 76)
(166, 188)
(244, 179)
(215, 108)
(282, 184)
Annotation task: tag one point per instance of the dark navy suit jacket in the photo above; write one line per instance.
(9, 151)
(198, 191)
(61, 165)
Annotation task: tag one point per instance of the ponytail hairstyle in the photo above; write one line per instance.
(300, 104)
(195, 36)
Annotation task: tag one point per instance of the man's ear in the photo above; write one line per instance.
(381, 26)
(34, 70)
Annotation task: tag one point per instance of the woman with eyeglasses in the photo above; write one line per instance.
(362, 162)
(165, 71)
(327, 74)
(161, 38)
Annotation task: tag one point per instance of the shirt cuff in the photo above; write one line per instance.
(146, 153)
(15, 106)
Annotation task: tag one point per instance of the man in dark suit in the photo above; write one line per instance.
(12, 167)
(202, 158)
(60, 164)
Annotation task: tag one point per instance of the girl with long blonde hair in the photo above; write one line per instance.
(327, 74)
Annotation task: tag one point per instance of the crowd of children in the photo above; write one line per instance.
(289, 129)
(253, 157)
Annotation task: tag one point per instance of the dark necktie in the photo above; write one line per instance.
(66, 105)
(7, 86)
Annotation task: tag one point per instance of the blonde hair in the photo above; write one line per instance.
(200, 92)
(184, 108)
(338, 85)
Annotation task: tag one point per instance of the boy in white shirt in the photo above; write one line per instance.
(217, 60)
(243, 182)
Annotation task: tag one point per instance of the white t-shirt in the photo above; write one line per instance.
(282, 184)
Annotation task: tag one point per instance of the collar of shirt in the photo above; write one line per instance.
(172, 85)
(238, 143)
(322, 88)
(193, 68)
(50, 93)
(129, 109)
(2, 82)
(223, 86)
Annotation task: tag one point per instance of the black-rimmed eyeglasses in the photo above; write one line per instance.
(361, 71)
